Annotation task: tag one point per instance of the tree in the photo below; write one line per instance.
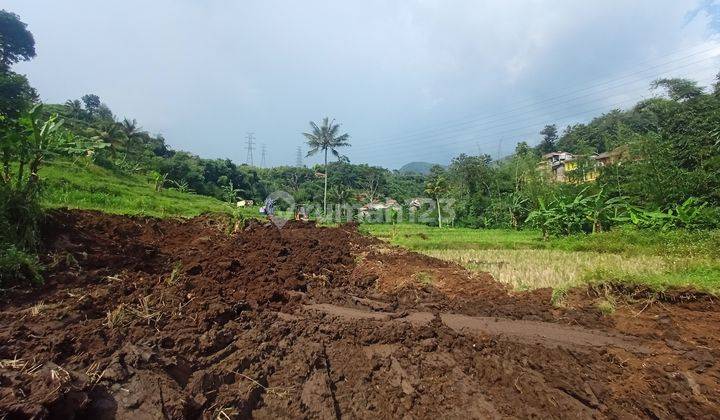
(75, 109)
(522, 149)
(92, 103)
(436, 187)
(109, 133)
(325, 137)
(678, 89)
(132, 133)
(16, 96)
(16, 42)
(550, 136)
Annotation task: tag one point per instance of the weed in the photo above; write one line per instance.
(237, 221)
(65, 259)
(359, 258)
(17, 266)
(145, 311)
(424, 278)
(36, 309)
(116, 318)
(176, 275)
(606, 306)
(558, 297)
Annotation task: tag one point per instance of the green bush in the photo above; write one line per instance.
(19, 217)
(18, 267)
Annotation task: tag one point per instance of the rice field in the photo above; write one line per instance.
(522, 259)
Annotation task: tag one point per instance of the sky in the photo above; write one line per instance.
(413, 80)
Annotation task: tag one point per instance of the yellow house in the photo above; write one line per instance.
(562, 164)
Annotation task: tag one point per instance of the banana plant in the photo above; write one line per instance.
(40, 140)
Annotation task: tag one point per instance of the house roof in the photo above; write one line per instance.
(551, 154)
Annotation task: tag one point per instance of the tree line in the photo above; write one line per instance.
(668, 176)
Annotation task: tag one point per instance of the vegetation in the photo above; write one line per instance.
(658, 259)
(436, 187)
(91, 187)
(324, 138)
(649, 214)
(26, 140)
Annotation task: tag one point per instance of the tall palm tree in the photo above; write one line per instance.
(75, 109)
(325, 137)
(109, 133)
(129, 127)
(132, 133)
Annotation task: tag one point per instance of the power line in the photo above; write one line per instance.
(423, 147)
(488, 118)
(250, 148)
(610, 81)
(298, 157)
(262, 159)
(511, 120)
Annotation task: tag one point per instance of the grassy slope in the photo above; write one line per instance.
(95, 188)
(523, 259)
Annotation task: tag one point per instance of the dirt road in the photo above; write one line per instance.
(144, 318)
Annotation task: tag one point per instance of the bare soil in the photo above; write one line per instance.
(146, 318)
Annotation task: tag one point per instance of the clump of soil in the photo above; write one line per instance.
(147, 318)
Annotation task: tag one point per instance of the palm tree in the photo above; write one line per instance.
(132, 132)
(325, 137)
(75, 109)
(129, 127)
(436, 186)
(110, 134)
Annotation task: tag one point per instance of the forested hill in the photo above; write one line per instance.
(131, 149)
(673, 142)
(422, 168)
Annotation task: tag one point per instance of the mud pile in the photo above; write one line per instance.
(146, 318)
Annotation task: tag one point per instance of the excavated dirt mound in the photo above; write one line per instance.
(145, 318)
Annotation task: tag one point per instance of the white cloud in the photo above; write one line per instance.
(204, 73)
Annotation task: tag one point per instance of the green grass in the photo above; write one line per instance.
(658, 260)
(625, 241)
(91, 187)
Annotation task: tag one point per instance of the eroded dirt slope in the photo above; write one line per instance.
(145, 318)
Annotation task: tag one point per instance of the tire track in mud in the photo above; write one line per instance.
(532, 332)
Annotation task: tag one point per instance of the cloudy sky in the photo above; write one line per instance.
(413, 80)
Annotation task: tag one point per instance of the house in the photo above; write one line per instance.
(245, 203)
(561, 165)
(390, 203)
(613, 156)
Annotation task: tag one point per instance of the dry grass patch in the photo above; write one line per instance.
(38, 308)
(535, 268)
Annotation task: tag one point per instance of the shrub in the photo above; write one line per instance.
(17, 266)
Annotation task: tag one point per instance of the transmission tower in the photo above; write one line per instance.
(250, 148)
(262, 158)
(298, 157)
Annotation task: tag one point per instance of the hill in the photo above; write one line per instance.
(91, 187)
(422, 168)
